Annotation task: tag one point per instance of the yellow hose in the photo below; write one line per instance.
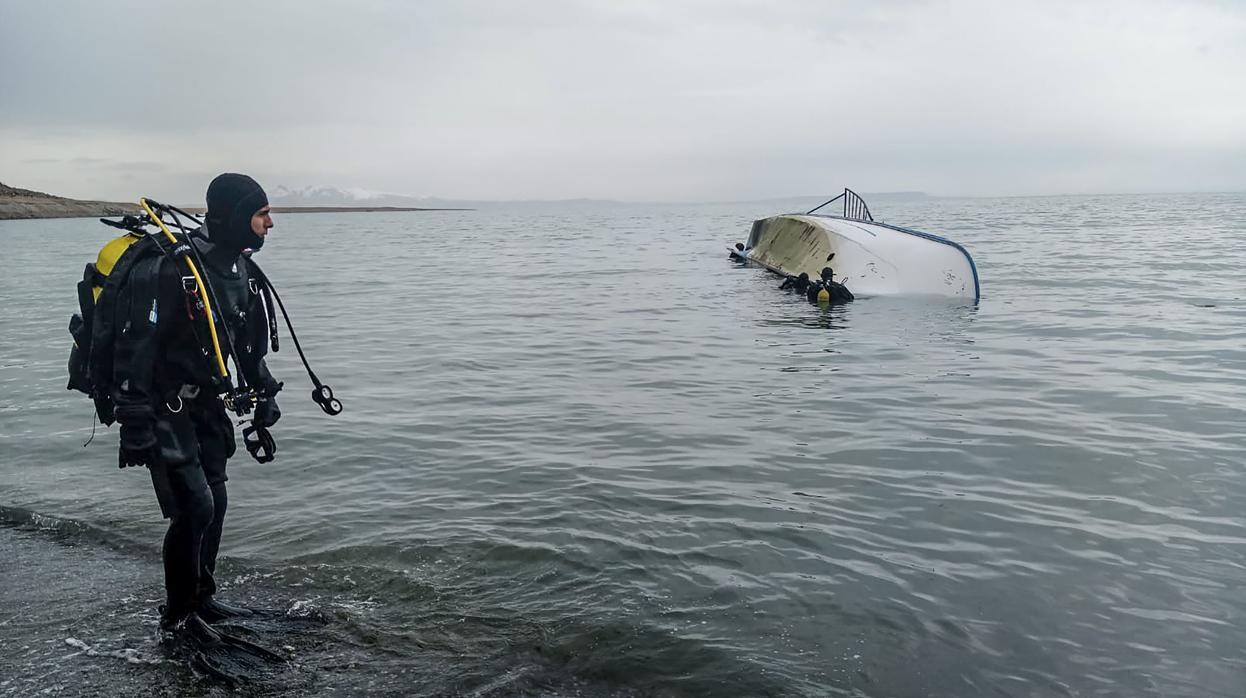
(203, 288)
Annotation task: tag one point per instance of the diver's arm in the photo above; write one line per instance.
(266, 410)
(254, 367)
(262, 379)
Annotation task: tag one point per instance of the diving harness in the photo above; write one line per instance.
(242, 399)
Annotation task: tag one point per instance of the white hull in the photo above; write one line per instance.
(871, 259)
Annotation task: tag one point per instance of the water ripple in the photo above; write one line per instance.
(614, 462)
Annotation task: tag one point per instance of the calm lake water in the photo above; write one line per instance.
(585, 454)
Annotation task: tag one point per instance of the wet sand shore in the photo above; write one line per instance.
(78, 618)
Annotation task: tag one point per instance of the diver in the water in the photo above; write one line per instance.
(799, 284)
(827, 290)
(815, 288)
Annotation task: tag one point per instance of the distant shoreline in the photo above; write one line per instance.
(356, 209)
(105, 209)
(199, 210)
(24, 204)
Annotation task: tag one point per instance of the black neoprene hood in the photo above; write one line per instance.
(232, 200)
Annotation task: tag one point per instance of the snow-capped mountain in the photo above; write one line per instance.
(333, 196)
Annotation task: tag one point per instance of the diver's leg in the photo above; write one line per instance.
(217, 445)
(215, 434)
(212, 543)
(186, 501)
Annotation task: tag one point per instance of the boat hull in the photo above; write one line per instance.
(871, 259)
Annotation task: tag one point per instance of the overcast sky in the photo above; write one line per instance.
(636, 100)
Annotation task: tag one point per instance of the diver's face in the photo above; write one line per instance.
(262, 221)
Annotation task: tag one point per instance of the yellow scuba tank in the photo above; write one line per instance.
(107, 259)
(824, 296)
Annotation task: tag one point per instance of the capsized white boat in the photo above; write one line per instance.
(870, 258)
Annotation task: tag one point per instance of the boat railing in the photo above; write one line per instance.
(853, 207)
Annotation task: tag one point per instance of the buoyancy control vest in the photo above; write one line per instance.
(136, 259)
(128, 270)
(92, 327)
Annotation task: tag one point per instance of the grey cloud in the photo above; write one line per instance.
(138, 166)
(100, 163)
(671, 100)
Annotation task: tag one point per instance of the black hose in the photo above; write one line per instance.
(323, 394)
(220, 309)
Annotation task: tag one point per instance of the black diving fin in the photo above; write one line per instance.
(224, 657)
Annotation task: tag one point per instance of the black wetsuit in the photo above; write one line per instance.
(795, 283)
(811, 293)
(837, 291)
(163, 386)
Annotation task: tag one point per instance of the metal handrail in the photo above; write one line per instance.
(854, 206)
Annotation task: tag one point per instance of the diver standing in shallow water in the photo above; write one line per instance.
(172, 418)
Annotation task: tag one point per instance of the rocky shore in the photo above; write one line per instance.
(24, 203)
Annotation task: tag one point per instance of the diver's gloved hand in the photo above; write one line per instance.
(138, 446)
(136, 457)
(266, 411)
(137, 436)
